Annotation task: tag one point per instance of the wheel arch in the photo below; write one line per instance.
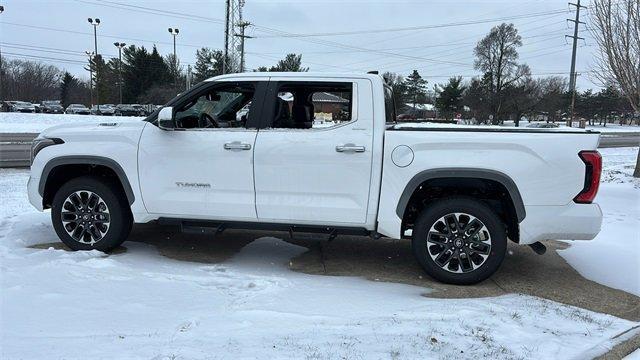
(463, 181)
(78, 165)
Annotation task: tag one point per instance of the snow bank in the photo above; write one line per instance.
(613, 257)
(35, 123)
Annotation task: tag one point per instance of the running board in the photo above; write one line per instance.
(216, 227)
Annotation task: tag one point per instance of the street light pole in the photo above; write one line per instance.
(90, 68)
(1, 11)
(120, 45)
(175, 32)
(95, 22)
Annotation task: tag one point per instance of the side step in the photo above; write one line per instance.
(538, 248)
(216, 227)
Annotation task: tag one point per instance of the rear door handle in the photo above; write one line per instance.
(346, 148)
(237, 145)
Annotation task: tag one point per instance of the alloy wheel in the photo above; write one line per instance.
(459, 242)
(85, 217)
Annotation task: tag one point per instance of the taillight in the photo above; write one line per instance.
(593, 164)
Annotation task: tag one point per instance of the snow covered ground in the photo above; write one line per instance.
(139, 304)
(619, 198)
(35, 123)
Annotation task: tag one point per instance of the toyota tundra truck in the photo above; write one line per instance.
(319, 153)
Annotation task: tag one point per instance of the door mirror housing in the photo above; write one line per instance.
(165, 118)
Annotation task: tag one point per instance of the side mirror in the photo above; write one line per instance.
(165, 118)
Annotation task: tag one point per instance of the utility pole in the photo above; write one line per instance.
(243, 25)
(90, 68)
(226, 37)
(120, 45)
(1, 79)
(188, 77)
(175, 32)
(95, 22)
(233, 18)
(573, 75)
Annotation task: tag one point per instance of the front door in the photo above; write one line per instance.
(313, 159)
(203, 168)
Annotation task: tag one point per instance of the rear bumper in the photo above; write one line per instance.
(568, 222)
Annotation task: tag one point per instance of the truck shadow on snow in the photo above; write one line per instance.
(547, 276)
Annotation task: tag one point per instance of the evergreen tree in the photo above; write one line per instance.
(291, 63)
(72, 90)
(141, 70)
(176, 73)
(449, 99)
(208, 64)
(105, 79)
(416, 87)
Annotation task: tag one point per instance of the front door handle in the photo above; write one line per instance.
(350, 148)
(237, 145)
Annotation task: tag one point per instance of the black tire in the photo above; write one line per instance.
(119, 215)
(470, 250)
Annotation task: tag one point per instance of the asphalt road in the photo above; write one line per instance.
(15, 148)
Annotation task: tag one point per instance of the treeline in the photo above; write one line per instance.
(147, 77)
(507, 90)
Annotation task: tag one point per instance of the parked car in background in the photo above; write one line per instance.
(23, 106)
(105, 109)
(142, 110)
(6, 106)
(52, 107)
(406, 117)
(77, 109)
(126, 110)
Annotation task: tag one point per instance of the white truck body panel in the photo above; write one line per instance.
(545, 166)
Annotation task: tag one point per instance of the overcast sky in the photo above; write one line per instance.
(59, 31)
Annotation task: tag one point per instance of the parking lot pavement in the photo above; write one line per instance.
(547, 276)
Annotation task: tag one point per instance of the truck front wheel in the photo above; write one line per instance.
(459, 241)
(89, 213)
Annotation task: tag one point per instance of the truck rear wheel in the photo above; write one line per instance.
(89, 213)
(459, 241)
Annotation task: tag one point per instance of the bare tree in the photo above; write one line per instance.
(29, 80)
(497, 57)
(616, 29)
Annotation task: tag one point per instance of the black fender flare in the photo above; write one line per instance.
(484, 174)
(87, 160)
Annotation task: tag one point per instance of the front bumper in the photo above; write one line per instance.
(34, 195)
(569, 222)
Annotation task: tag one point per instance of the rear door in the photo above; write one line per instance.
(313, 154)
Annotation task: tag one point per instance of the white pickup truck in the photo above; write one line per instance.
(319, 153)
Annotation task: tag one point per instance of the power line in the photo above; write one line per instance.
(117, 37)
(422, 27)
